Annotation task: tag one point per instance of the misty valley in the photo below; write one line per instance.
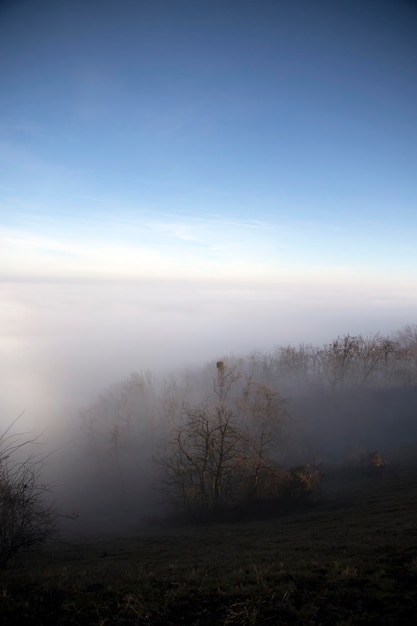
(270, 488)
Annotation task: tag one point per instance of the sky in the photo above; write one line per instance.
(183, 178)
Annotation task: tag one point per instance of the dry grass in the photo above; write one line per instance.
(349, 557)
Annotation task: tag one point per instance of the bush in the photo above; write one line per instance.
(26, 517)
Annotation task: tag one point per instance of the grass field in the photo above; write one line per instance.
(349, 556)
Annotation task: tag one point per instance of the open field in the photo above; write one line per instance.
(349, 556)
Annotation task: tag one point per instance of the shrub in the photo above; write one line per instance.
(26, 516)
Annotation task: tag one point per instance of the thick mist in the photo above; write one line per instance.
(96, 366)
(63, 342)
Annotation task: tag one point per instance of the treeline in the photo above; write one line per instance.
(242, 430)
(348, 361)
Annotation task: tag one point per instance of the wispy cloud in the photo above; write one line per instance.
(112, 241)
(26, 254)
(190, 253)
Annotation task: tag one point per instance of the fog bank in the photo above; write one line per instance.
(62, 342)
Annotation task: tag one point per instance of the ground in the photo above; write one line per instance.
(347, 556)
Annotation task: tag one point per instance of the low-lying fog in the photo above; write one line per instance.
(62, 343)
(67, 349)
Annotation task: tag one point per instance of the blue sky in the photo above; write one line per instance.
(191, 138)
(198, 177)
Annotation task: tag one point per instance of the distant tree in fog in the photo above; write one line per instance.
(406, 355)
(295, 363)
(120, 415)
(354, 361)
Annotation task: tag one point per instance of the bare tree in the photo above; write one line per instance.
(206, 450)
(406, 355)
(220, 451)
(27, 517)
(355, 361)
